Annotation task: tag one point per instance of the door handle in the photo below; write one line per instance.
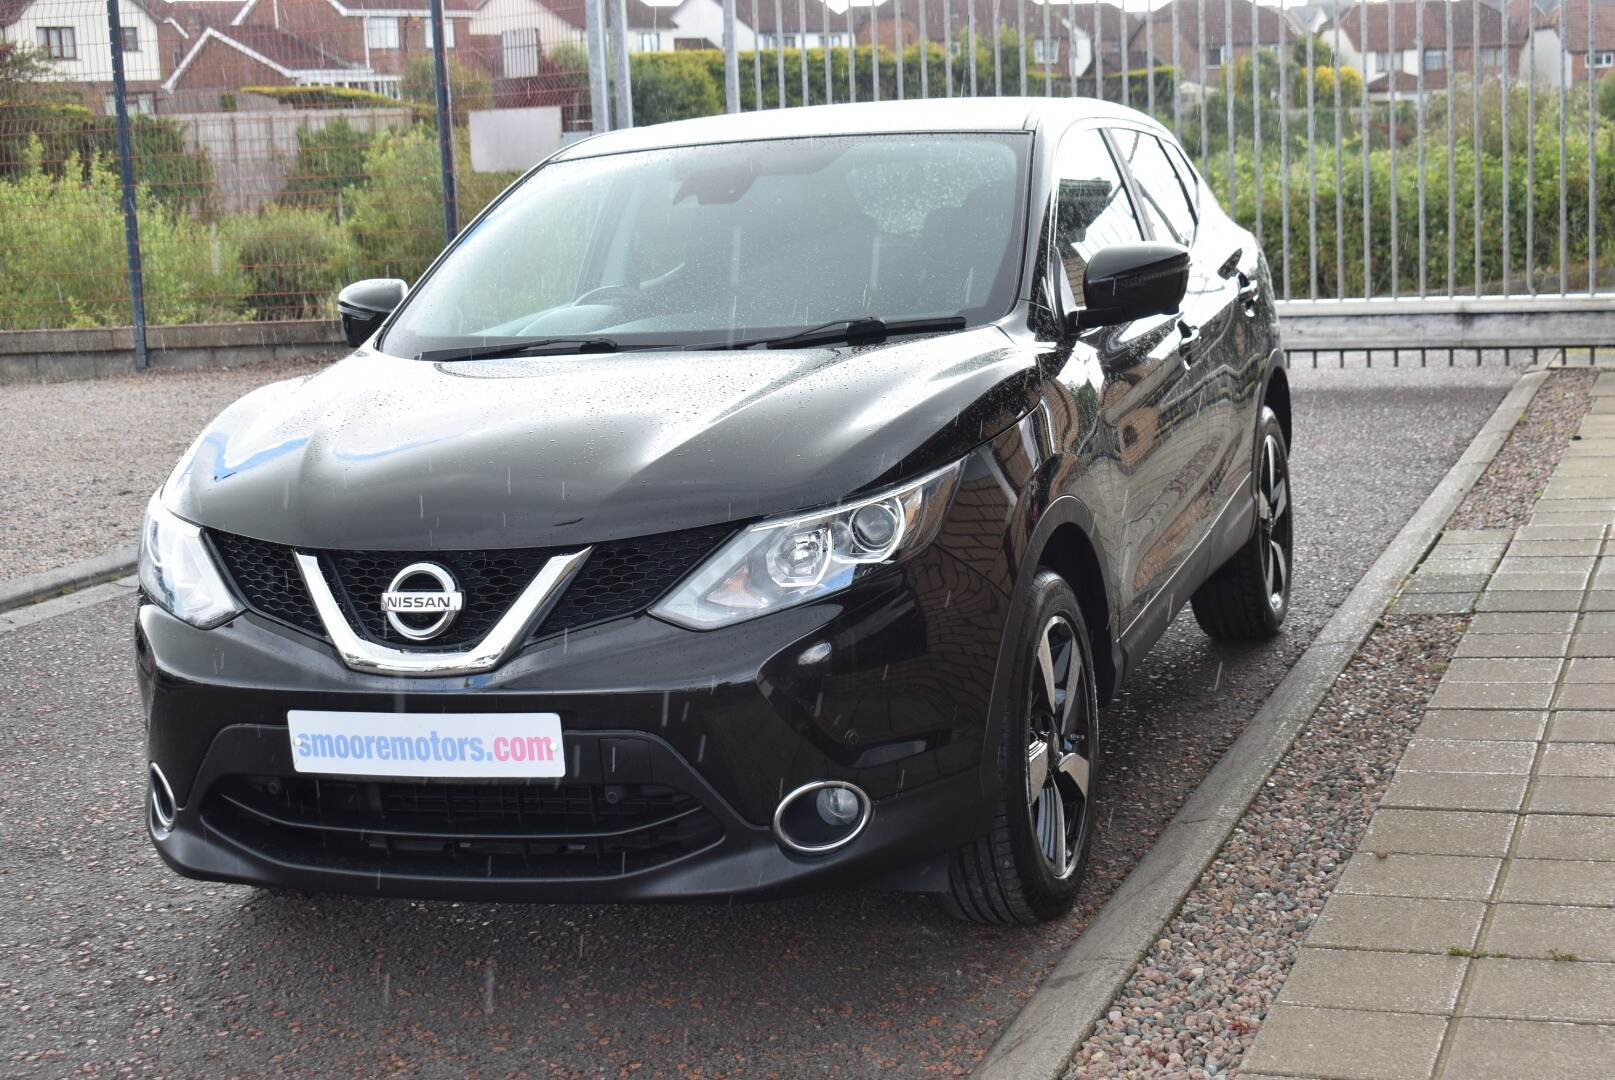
(1189, 339)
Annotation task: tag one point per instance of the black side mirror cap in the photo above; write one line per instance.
(1132, 281)
(364, 304)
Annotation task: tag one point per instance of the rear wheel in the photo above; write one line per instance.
(1026, 869)
(1249, 595)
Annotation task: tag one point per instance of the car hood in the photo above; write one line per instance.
(381, 452)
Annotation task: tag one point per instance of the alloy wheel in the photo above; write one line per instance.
(1273, 522)
(1059, 754)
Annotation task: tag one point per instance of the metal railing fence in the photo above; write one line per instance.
(227, 163)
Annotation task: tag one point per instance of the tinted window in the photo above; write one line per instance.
(702, 243)
(1093, 210)
(1165, 204)
(1190, 178)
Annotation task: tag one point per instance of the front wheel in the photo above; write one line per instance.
(1027, 867)
(1249, 595)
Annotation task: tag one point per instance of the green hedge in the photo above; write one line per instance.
(62, 259)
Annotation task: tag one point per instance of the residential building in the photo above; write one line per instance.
(360, 44)
(1580, 55)
(1207, 42)
(516, 36)
(1397, 47)
(72, 35)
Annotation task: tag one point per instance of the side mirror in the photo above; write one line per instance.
(1131, 281)
(364, 304)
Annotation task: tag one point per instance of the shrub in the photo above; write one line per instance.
(397, 220)
(672, 86)
(294, 261)
(62, 260)
(330, 160)
(323, 97)
(469, 87)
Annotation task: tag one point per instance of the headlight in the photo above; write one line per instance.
(177, 571)
(782, 563)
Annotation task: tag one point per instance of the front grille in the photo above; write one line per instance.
(268, 580)
(491, 581)
(625, 576)
(620, 577)
(475, 830)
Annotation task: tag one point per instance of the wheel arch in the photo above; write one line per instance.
(1071, 554)
(1276, 396)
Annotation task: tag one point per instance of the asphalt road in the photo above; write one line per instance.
(109, 965)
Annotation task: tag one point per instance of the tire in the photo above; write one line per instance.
(1027, 867)
(1249, 595)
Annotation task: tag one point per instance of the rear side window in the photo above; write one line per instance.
(1166, 205)
(1092, 209)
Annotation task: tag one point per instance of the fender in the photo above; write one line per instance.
(1038, 529)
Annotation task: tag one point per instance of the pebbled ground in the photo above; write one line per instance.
(111, 966)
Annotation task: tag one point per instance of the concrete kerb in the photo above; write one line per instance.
(1042, 1039)
(33, 588)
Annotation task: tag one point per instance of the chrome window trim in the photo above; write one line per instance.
(533, 604)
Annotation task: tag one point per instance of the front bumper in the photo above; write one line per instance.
(698, 734)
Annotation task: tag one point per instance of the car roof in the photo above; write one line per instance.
(863, 118)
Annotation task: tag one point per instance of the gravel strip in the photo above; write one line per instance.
(83, 457)
(1193, 1005)
(1511, 484)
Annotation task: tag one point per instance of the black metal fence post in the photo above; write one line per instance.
(445, 132)
(126, 172)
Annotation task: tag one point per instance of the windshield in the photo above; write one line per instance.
(720, 243)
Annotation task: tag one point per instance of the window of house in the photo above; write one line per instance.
(131, 39)
(1216, 55)
(1092, 210)
(1383, 61)
(1604, 59)
(650, 41)
(1434, 60)
(448, 35)
(139, 104)
(835, 41)
(59, 42)
(518, 51)
(381, 33)
(1046, 50)
(1491, 57)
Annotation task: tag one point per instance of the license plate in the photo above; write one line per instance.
(439, 745)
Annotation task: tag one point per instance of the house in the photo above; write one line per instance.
(698, 24)
(1390, 56)
(1579, 55)
(360, 44)
(797, 24)
(1067, 48)
(1202, 59)
(1071, 41)
(72, 35)
(521, 33)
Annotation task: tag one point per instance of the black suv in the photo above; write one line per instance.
(739, 506)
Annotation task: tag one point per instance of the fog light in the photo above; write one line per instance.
(821, 816)
(837, 806)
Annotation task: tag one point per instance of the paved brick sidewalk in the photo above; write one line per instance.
(1472, 936)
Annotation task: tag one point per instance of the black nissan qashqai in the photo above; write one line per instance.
(739, 506)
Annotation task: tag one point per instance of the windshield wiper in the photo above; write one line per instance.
(521, 347)
(853, 331)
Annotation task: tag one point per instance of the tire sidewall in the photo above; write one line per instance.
(1047, 894)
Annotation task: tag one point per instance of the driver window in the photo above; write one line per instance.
(1092, 209)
